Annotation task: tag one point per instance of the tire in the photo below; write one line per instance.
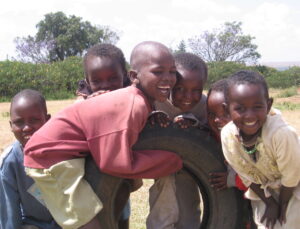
(201, 155)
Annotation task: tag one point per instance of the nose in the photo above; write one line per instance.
(105, 85)
(188, 95)
(169, 77)
(27, 127)
(249, 114)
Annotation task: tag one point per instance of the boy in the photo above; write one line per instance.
(19, 208)
(174, 200)
(87, 127)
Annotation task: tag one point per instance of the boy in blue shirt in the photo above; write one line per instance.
(20, 206)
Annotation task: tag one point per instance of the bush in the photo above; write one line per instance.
(288, 92)
(55, 81)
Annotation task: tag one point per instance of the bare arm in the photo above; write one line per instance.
(284, 198)
(272, 207)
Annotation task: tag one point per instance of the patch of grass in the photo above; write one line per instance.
(5, 114)
(287, 106)
(287, 92)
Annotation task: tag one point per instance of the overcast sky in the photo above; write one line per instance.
(274, 24)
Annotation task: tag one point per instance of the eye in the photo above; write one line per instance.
(211, 115)
(178, 89)
(113, 79)
(18, 122)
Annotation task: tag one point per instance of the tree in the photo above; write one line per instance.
(68, 36)
(181, 47)
(225, 44)
(30, 50)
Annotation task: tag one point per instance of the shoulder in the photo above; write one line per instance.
(10, 159)
(10, 154)
(275, 126)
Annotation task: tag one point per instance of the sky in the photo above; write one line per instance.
(274, 24)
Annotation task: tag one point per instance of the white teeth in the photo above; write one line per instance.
(187, 103)
(249, 123)
(164, 87)
(27, 137)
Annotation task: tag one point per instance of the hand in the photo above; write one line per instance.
(135, 184)
(183, 122)
(218, 180)
(271, 213)
(161, 118)
(282, 217)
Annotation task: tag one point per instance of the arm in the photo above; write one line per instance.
(284, 198)
(272, 207)
(10, 211)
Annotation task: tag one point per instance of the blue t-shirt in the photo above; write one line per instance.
(18, 204)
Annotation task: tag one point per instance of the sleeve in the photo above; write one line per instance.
(231, 176)
(286, 147)
(227, 139)
(60, 139)
(122, 161)
(239, 183)
(10, 211)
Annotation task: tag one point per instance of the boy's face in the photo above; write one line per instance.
(217, 116)
(103, 74)
(248, 108)
(187, 91)
(26, 117)
(156, 75)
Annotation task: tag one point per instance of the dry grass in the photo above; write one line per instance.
(139, 199)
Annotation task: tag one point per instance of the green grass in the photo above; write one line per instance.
(288, 92)
(5, 114)
(287, 106)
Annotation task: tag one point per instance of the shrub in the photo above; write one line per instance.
(288, 92)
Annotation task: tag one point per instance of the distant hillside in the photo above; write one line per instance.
(281, 66)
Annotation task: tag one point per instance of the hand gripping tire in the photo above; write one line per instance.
(200, 154)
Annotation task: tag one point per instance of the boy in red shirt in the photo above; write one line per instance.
(108, 132)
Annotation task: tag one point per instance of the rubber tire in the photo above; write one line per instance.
(201, 155)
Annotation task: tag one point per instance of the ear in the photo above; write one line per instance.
(269, 104)
(133, 76)
(10, 124)
(48, 117)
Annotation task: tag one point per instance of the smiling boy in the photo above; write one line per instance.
(120, 118)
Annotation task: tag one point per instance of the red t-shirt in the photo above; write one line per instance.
(106, 126)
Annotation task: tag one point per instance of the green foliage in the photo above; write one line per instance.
(55, 81)
(221, 70)
(64, 36)
(284, 79)
(287, 106)
(288, 92)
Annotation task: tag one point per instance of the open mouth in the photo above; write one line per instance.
(27, 137)
(250, 124)
(165, 89)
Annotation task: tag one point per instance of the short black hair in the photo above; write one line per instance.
(220, 86)
(247, 77)
(32, 95)
(191, 62)
(107, 50)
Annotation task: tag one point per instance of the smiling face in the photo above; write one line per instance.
(217, 115)
(103, 73)
(187, 91)
(248, 108)
(26, 118)
(155, 73)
